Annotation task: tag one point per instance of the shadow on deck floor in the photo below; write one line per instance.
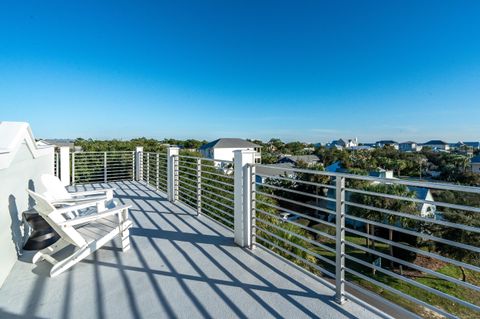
(180, 266)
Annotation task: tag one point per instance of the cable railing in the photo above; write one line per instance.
(206, 186)
(102, 167)
(414, 243)
(154, 170)
(56, 164)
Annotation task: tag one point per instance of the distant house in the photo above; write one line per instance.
(384, 143)
(337, 144)
(475, 164)
(223, 148)
(409, 147)
(437, 145)
(273, 171)
(295, 159)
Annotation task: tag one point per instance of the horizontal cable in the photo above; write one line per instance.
(296, 213)
(315, 266)
(216, 181)
(320, 257)
(415, 250)
(217, 202)
(400, 293)
(313, 242)
(296, 202)
(444, 186)
(416, 200)
(415, 283)
(296, 180)
(313, 230)
(295, 191)
(215, 194)
(416, 217)
(208, 212)
(414, 266)
(218, 209)
(417, 234)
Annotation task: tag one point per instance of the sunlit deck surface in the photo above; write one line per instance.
(180, 265)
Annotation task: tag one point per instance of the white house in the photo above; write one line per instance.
(475, 164)
(22, 162)
(409, 147)
(384, 143)
(223, 148)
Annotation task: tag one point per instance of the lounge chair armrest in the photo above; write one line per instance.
(89, 218)
(78, 206)
(69, 201)
(94, 192)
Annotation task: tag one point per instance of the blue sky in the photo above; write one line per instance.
(312, 70)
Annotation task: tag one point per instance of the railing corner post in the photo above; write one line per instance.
(138, 163)
(172, 174)
(340, 240)
(243, 160)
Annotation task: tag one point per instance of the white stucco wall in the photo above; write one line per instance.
(23, 172)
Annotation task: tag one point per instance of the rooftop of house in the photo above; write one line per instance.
(309, 159)
(386, 142)
(229, 143)
(436, 142)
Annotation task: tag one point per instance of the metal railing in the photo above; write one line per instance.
(376, 234)
(405, 241)
(154, 170)
(102, 167)
(56, 164)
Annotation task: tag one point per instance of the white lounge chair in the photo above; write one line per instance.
(57, 194)
(87, 233)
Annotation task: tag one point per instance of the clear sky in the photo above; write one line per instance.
(298, 70)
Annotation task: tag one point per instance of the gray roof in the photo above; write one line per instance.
(386, 142)
(303, 158)
(436, 142)
(229, 143)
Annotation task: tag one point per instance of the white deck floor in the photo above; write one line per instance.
(180, 266)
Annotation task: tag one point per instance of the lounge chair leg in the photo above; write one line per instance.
(50, 250)
(65, 264)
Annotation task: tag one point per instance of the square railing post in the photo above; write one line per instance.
(172, 173)
(148, 168)
(243, 197)
(156, 171)
(138, 163)
(340, 240)
(253, 211)
(65, 165)
(199, 186)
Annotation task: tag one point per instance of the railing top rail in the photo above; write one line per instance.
(424, 184)
(205, 159)
(101, 152)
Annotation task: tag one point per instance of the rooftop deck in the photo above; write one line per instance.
(180, 265)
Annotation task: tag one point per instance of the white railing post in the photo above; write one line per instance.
(104, 167)
(340, 240)
(138, 163)
(156, 171)
(252, 174)
(65, 165)
(242, 197)
(172, 173)
(199, 186)
(148, 167)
